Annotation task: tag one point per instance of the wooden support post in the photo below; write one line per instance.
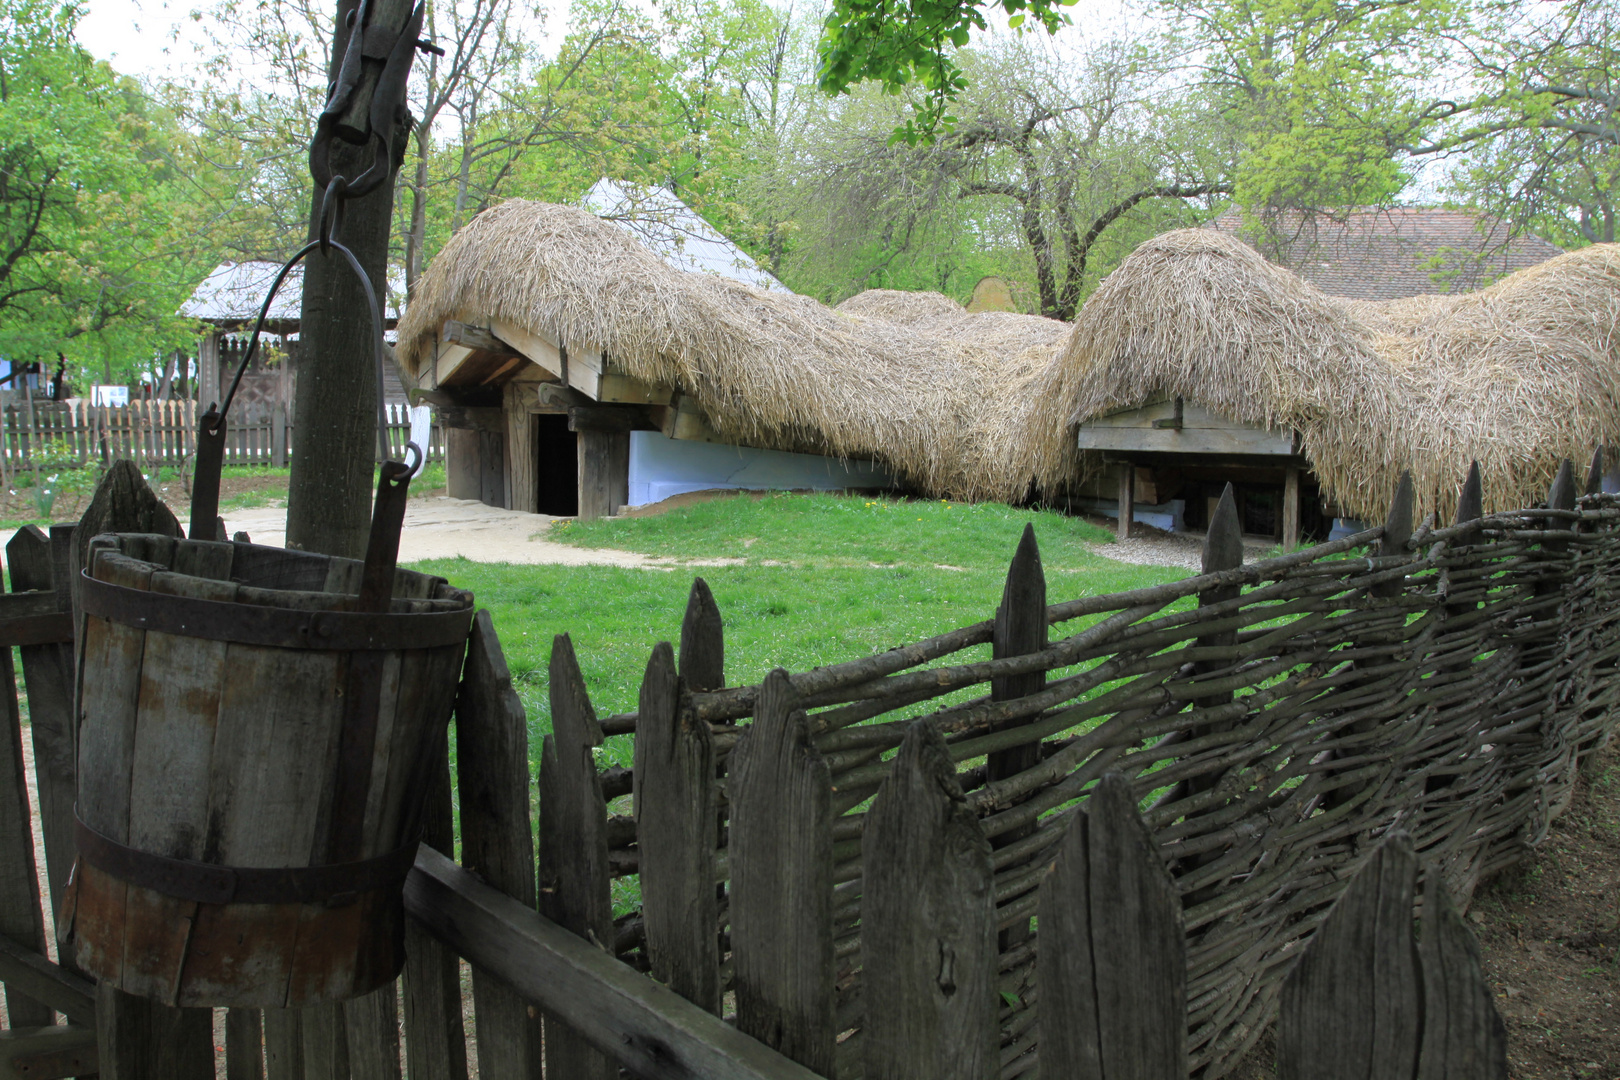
(497, 840)
(676, 836)
(574, 880)
(278, 436)
(435, 1039)
(1290, 509)
(1127, 498)
(521, 458)
(1353, 1004)
(703, 642)
(604, 472)
(1020, 628)
(781, 882)
(1112, 972)
(928, 942)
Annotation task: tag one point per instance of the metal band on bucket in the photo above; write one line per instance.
(208, 883)
(258, 624)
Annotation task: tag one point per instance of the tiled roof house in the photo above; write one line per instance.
(1386, 254)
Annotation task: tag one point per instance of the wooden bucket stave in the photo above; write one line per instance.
(209, 749)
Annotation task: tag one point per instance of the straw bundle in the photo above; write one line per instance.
(1517, 376)
(943, 405)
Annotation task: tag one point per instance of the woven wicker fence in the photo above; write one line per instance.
(1276, 720)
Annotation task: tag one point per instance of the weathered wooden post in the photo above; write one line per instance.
(1020, 629)
(492, 756)
(1112, 971)
(781, 882)
(928, 942)
(1127, 499)
(1290, 509)
(1397, 531)
(1223, 550)
(675, 800)
(703, 642)
(1367, 999)
(1594, 475)
(574, 881)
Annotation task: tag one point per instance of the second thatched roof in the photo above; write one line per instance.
(941, 399)
(985, 406)
(1518, 376)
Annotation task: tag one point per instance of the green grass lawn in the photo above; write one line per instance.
(819, 579)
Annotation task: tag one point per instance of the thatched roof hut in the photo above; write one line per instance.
(1518, 375)
(940, 399)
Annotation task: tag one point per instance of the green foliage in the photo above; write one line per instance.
(811, 598)
(92, 218)
(898, 43)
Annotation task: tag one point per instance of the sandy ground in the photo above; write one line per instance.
(439, 527)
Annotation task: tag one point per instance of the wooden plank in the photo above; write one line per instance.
(435, 1040)
(372, 1024)
(684, 420)
(42, 1053)
(472, 337)
(1352, 1005)
(326, 1043)
(574, 879)
(928, 940)
(497, 838)
(1464, 1037)
(1190, 439)
(20, 917)
(675, 803)
(283, 1044)
(537, 348)
(1020, 629)
(141, 1039)
(521, 453)
(40, 563)
(1113, 960)
(638, 1021)
(29, 972)
(703, 642)
(461, 463)
(244, 1045)
(781, 881)
(492, 468)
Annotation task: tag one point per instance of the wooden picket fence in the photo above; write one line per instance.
(160, 433)
(1202, 783)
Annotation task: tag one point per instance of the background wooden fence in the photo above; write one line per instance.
(835, 878)
(159, 433)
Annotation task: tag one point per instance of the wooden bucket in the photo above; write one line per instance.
(252, 757)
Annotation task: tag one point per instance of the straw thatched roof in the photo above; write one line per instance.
(973, 406)
(1519, 375)
(942, 400)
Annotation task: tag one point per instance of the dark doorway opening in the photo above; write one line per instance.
(556, 468)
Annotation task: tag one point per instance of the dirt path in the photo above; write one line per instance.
(439, 527)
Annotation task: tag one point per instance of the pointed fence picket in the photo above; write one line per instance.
(1099, 851)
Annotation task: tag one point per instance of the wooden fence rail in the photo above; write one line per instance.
(71, 434)
(844, 876)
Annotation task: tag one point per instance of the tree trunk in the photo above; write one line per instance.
(335, 439)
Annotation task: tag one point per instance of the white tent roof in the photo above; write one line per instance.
(234, 291)
(660, 220)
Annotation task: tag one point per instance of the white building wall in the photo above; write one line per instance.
(661, 467)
